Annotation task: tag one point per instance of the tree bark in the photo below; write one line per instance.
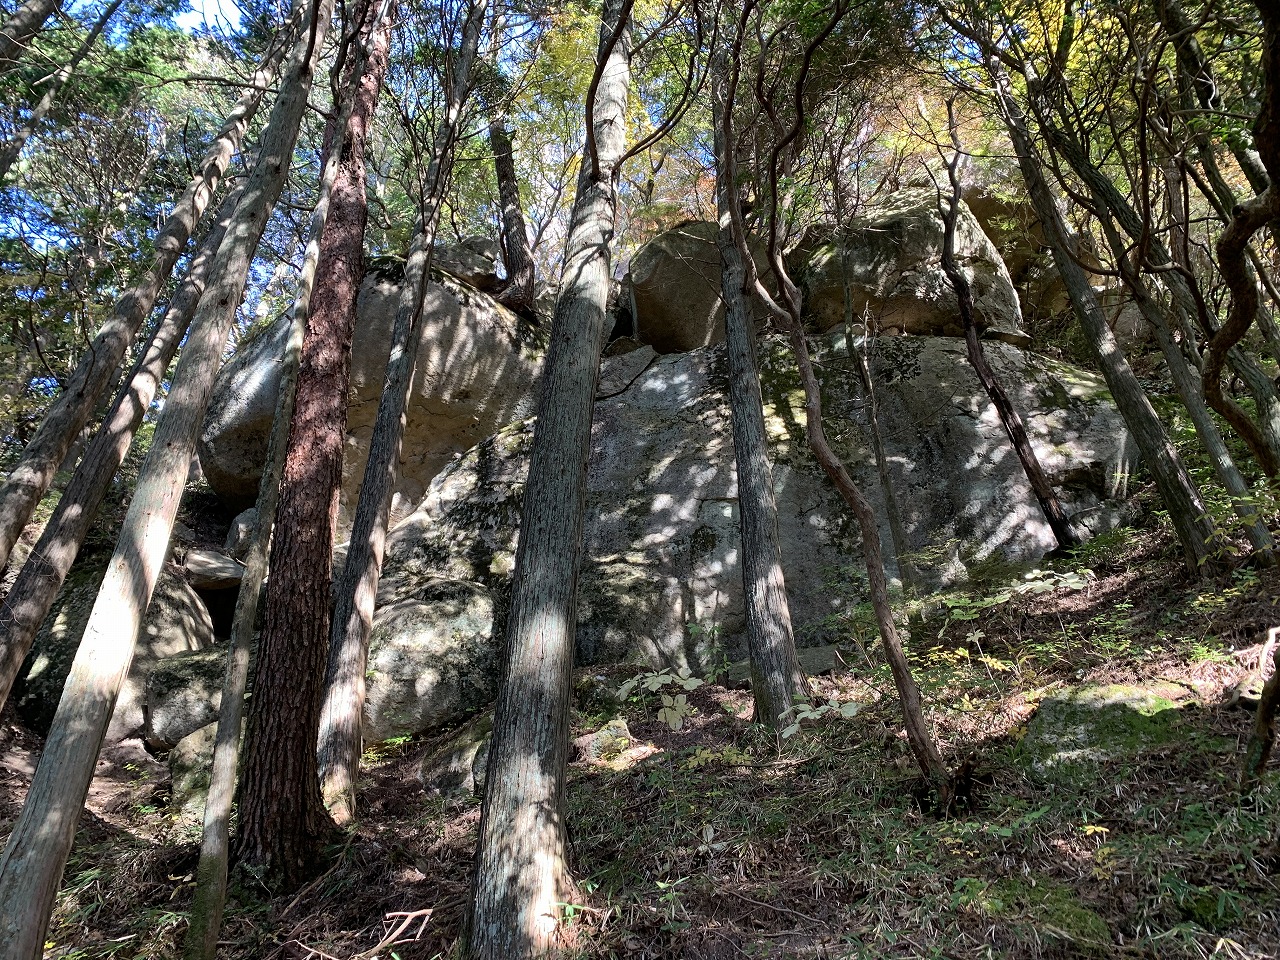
(66, 417)
(1010, 419)
(776, 678)
(517, 293)
(37, 585)
(21, 28)
(1196, 68)
(521, 875)
(1262, 739)
(37, 849)
(1186, 509)
(357, 588)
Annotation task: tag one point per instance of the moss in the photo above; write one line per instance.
(1052, 907)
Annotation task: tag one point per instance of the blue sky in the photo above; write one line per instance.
(222, 14)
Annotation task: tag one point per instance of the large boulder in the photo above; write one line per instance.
(478, 369)
(889, 257)
(176, 622)
(674, 289)
(661, 583)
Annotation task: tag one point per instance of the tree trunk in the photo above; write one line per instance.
(357, 588)
(42, 576)
(1186, 510)
(521, 876)
(37, 849)
(516, 255)
(66, 416)
(1263, 737)
(1199, 73)
(776, 678)
(13, 148)
(20, 29)
(918, 736)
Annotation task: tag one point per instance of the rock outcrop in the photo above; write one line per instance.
(660, 578)
(176, 622)
(890, 259)
(478, 370)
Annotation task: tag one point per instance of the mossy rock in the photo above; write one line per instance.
(1089, 724)
(457, 766)
(1052, 908)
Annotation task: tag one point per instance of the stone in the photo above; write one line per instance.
(176, 621)
(209, 570)
(432, 659)
(240, 534)
(660, 582)
(478, 369)
(190, 765)
(816, 661)
(1088, 724)
(457, 767)
(674, 289)
(474, 261)
(890, 257)
(182, 694)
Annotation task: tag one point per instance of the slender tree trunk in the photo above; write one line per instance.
(11, 150)
(1199, 73)
(37, 849)
(1263, 737)
(42, 576)
(21, 28)
(1186, 510)
(516, 255)
(918, 735)
(357, 588)
(776, 678)
(521, 875)
(310, 301)
(66, 417)
(1010, 419)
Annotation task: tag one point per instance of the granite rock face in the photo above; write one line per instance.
(661, 583)
(478, 369)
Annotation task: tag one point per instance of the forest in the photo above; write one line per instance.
(637, 479)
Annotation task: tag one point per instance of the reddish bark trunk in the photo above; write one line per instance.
(282, 814)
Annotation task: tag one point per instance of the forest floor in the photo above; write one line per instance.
(712, 841)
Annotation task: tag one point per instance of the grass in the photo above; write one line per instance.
(728, 844)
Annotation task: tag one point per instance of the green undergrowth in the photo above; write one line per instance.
(716, 840)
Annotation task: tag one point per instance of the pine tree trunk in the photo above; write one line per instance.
(67, 416)
(517, 294)
(209, 898)
(37, 585)
(357, 587)
(1186, 510)
(281, 776)
(776, 678)
(37, 849)
(521, 874)
(21, 28)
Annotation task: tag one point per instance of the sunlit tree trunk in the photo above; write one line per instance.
(357, 586)
(37, 585)
(37, 849)
(1186, 509)
(776, 678)
(66, 416)
(521, 874)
